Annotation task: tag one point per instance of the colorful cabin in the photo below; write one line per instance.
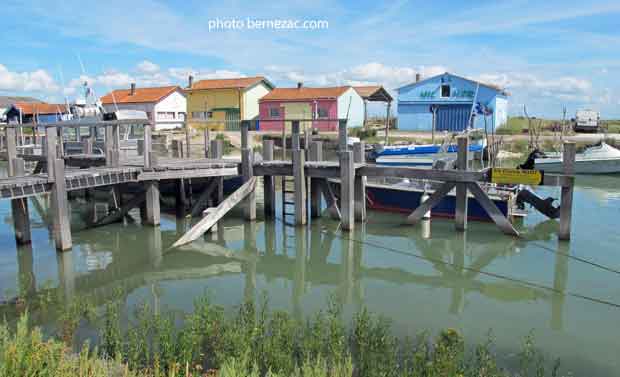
(452, 103)
(220, 104)
(318, 108)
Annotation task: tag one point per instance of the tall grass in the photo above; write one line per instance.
(253, 341)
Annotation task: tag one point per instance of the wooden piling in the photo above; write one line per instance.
(249, 203)
(299, 160)
(50, 150)
(109, 146)
(206, 142)
(11, 147)
(566, 200)
(269, 186)
(360, 183)
(217, 152)
(295, 141)
(19, 207)
(342, 135)
(188, 140)
(153, 215)
(460, 214)
(315, 154)
(60, 208)
(347, 192)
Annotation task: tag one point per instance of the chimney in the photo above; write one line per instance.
(299, 85)
(190, 81)
(418, 77)
(133, 89)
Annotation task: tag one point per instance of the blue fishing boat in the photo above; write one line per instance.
(420, 155)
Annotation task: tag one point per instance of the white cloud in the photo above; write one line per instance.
(565, 86)
(148, 67)
(35, 81)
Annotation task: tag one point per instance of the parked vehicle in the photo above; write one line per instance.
(587, 121)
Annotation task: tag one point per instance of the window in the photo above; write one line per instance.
(445, 90)
(149, 115)
(322, 112)
(182, 116)
(274, 112)
(168, 115)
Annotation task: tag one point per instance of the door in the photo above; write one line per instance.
(232, 120)
(453, 118)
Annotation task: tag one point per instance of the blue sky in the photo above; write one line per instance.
(547, 54)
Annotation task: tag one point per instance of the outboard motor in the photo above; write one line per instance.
(530, 163)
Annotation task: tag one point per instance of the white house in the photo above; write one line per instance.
(165, 106)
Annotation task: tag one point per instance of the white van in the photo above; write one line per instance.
(587, 120)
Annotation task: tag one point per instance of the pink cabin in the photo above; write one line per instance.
(319, 108)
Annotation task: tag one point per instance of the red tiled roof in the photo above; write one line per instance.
(366, 91)
(29, 108)
(304, 93)
(141, 95)
(237, 83)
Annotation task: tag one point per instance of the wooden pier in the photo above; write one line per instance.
(57, 174)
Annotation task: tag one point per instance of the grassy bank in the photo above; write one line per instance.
(252, 341)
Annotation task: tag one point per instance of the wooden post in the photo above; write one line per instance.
(188, 140)
(342, 135)
(141, 147)
(387, 123)
(217, 151)
(61, 142)
(11, 147)
(247, 168)
(148, 145)
(60, 207)
(347, 177)
(269, 186)
(19, 207)
(92, 138)
(295, 142)
(206, 142)
(116, 145)
(50, 150)
(153, 215)
(460, 214)
(566, 201)
(315, 154)
(109, 146)
(360, 182)
(299, 159)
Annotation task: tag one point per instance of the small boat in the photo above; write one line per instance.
(601, 158)
(423, 154)
(404, 197)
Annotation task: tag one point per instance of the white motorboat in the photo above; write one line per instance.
(597, 159)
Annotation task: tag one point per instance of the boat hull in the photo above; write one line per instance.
(402, 200)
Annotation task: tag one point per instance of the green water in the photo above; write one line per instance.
(423, 278)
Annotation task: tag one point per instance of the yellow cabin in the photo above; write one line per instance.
(220, 104)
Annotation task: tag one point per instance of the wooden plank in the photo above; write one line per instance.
(19, 208)
(208, 221)
(360, 183)
(206, 141)
(431, 202)
(566, 199)
(148, 146)
(191, 173)
(330, 199)
(495, 214)
(60, 205)
(342, 135)
(460, 213)
(217, 151)
(347, 175)
(421, 173)
(269, 184)
(119, 213)
(299, 186)
(315, 154)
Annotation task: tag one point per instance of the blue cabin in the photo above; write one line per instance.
(453, 102)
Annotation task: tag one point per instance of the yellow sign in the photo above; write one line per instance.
(516, 176)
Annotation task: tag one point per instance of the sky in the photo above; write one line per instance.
(549, 55)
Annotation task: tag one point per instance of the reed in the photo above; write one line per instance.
(255, 341)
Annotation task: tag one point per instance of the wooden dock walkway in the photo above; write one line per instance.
(57, 174)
